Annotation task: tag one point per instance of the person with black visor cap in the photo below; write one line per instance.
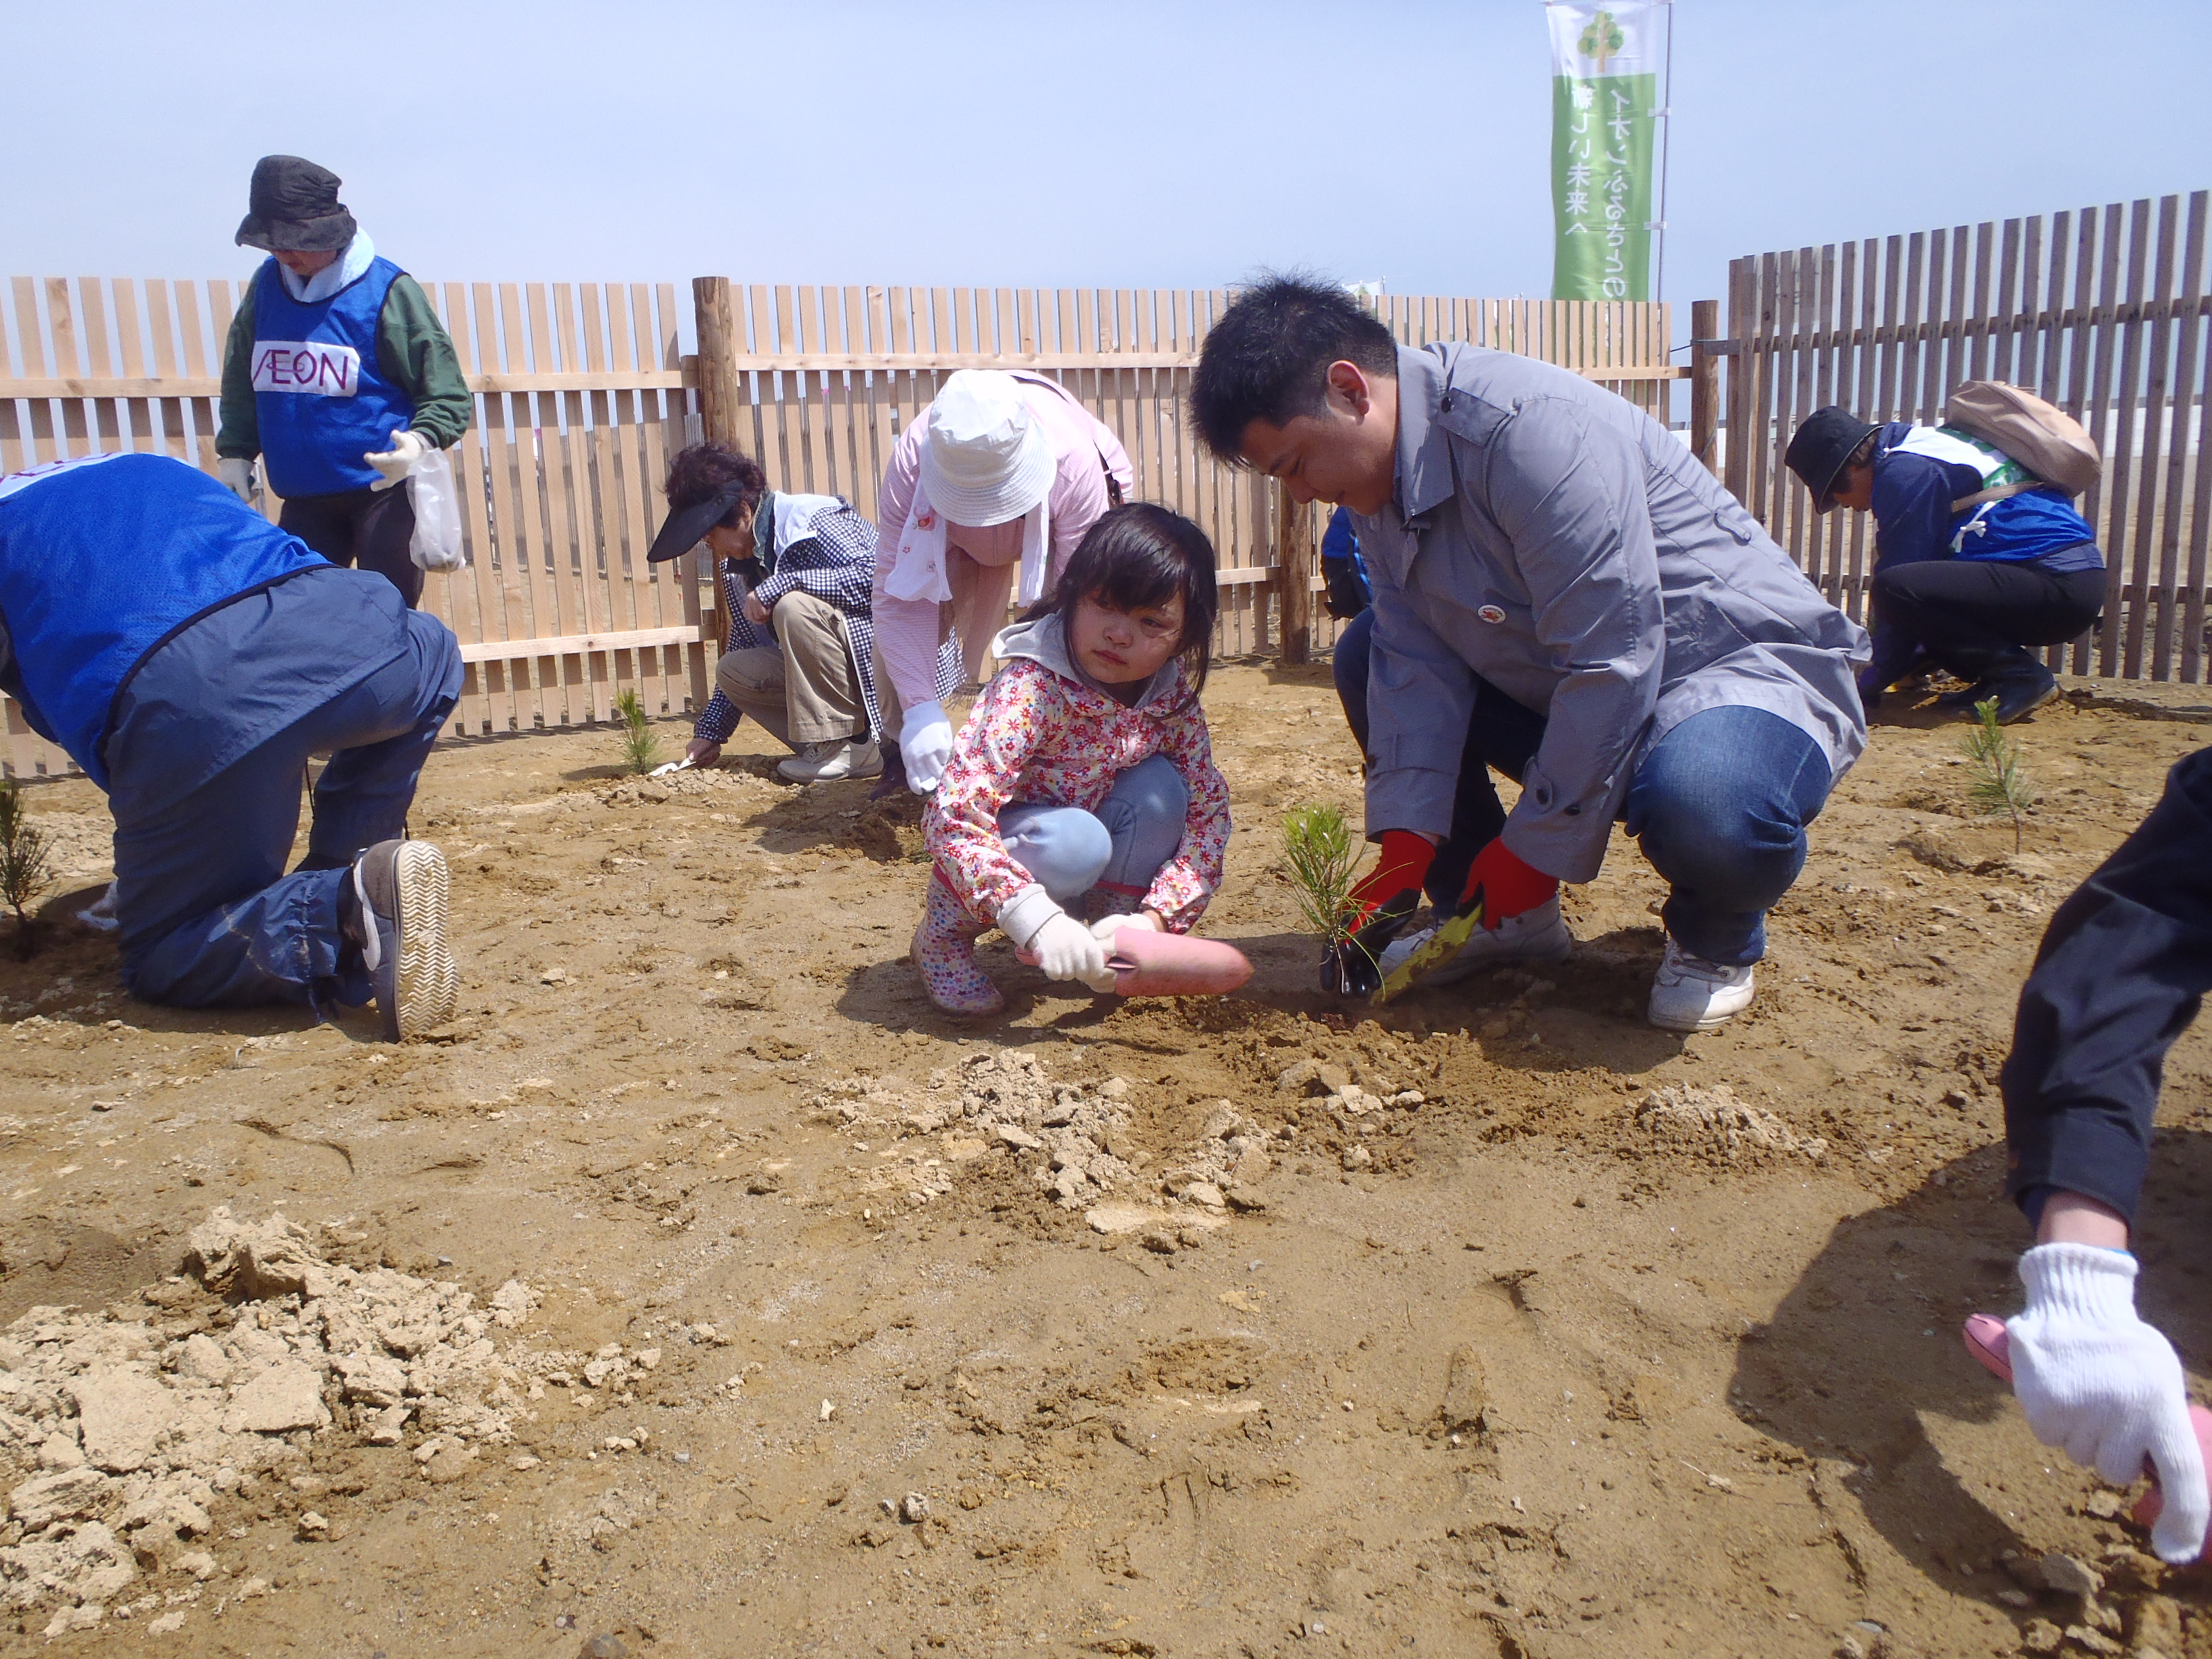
(797, 575)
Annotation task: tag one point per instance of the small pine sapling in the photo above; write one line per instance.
(26, 861)
(1997, 783)
(641, 748)
(1322, 855)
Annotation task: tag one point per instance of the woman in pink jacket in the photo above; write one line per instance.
(988, 492)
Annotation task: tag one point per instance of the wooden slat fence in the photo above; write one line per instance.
(582, 393)
(2102, 310)
(830, 376)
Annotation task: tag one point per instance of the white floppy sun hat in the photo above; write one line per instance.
(985, 458)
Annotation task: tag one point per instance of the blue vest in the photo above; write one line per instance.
(100, 563)
(321, 401)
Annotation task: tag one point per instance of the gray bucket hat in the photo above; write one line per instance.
(295, 206)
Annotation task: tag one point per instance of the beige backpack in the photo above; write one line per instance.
(2043, 439)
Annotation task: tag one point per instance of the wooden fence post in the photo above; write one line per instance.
(1704, 382)
(721, 405)
(1294, 574)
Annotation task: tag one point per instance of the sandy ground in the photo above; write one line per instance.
(1529, 1368)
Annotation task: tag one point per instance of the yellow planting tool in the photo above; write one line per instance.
(1440, 947)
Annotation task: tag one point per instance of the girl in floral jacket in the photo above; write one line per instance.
(1083, 778)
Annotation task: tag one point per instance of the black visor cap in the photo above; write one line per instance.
(684, 529)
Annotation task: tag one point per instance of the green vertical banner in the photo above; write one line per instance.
(1605, 96)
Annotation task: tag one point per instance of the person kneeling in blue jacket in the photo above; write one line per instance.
(190, 657)
(1965, 588)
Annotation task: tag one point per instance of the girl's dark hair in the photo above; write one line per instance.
(1138, 556)
(705, 471)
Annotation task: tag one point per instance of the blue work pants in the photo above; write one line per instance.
(1719, 805)
(1120, 848)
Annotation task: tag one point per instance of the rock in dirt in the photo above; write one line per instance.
(602, 1647)
(2041, 1636)
(286, 1396)
(1119, 1216)
(914, 1508)
(255, 1261)
(1713, 1124)
(122, 1416)
(2068, 1575)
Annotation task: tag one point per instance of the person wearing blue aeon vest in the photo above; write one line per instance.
(338, 374)
(1965, 589)
(191, 656)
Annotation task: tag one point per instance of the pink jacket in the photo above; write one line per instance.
(1039, 736)
(908, 630)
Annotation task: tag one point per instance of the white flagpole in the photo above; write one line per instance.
(1666, 144)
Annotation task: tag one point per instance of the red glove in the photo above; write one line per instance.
(1503, 884)
(1381, 903)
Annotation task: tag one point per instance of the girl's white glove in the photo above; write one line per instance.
(236, 474)
(397, 462)
(1106, 927)
(2104, 1387)
(1065, 949)
(925, 746)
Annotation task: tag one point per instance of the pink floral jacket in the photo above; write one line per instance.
(1037, 735)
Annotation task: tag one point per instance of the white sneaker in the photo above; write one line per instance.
(1537, 935)
(1692, 994)
(827, 763)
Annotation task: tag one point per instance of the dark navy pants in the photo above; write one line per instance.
(1719, 804)
(2120, 973)
(209, 917)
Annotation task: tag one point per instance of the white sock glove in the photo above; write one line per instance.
(925, 746)
(395, 463)
(2104, 1387)
(1065, 949)
(236, 474)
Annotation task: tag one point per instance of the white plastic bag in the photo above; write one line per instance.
(437, 503)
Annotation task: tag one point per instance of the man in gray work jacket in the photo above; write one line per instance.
(1564, 595)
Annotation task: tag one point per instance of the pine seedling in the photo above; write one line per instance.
(641, 748)
(26, 861)
(1322, 855)
(1998, 784)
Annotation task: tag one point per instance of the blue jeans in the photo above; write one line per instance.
(1719, 805)
(209, 917)
(1121, 847)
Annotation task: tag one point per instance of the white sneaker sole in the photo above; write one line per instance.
(427, 978)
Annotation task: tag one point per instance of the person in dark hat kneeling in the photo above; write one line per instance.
(797, 573)
(338, 375)
(1969, 588)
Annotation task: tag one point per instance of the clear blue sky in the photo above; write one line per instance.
(1131, 144)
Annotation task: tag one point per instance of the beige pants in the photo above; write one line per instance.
(804, 690)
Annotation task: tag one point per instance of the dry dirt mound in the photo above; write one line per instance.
(120, 1433)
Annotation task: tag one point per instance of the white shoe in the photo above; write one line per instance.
(1537, 935)
(827, 763)
(1692, 994)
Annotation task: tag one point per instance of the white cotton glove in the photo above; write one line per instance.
(925, 746)
(236, 474)
(1106, 927)
(2104, 1387)
(395, 463)
(1065, 950)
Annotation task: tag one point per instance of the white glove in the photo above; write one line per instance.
(1105, 929)
(925, 746)
(2104, 1387)
(236, 474)
(397, 462)
(1065, 950)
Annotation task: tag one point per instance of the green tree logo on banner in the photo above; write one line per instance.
(1600, 40)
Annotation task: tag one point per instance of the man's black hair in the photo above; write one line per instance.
(1267, 358)
(1138, 558)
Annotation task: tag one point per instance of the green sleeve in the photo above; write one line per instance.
(415, 351)
(238, 434)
